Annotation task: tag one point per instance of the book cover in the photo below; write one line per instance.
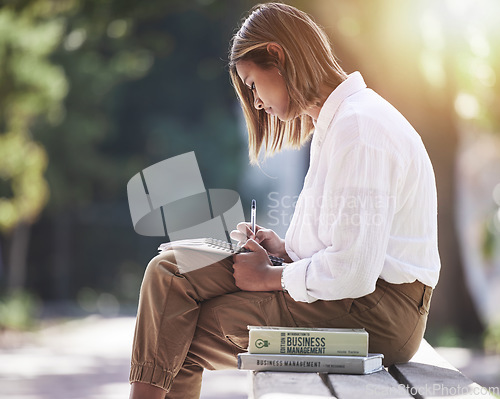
(303, 363)
(308, 341)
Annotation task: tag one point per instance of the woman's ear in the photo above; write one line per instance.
(276, 51)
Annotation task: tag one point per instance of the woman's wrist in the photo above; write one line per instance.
(274, 278)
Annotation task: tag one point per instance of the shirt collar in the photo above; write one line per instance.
(348, 87)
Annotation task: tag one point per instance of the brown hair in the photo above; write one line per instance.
(309, 64)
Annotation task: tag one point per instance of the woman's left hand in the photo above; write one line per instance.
(253, 271)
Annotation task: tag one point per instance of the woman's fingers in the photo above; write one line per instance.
(246, 228)
(244, 231)
(238, 236)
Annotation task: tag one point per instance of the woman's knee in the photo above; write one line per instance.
(162, 263)
(159, 268)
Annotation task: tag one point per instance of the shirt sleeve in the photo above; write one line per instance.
(354, 217)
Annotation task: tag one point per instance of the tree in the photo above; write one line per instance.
(145, 81)
(31, 87)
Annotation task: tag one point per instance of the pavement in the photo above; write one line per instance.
(89, 358)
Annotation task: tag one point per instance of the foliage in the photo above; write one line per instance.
(492, 338)
(30, 87)
(448, 336)
(18, 311)
(116, 86)
(146, 83)
(97, 54)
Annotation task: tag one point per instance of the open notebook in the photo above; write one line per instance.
(216, 250)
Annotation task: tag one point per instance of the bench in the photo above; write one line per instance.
(426, 376)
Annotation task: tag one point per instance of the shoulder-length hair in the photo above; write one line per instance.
(309, 64)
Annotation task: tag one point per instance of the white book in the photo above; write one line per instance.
(319, 364)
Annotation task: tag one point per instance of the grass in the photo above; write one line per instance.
(18, 311)
(492, 339)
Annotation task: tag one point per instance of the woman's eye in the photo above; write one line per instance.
(252, 86)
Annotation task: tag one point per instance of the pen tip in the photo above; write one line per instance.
(254, 204)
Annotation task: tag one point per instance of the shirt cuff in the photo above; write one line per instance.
(294, 277)
(293, 256)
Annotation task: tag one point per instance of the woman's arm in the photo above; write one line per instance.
(352, 223)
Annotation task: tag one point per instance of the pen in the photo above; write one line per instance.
(253, 211)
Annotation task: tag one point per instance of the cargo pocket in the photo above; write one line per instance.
(247, 308)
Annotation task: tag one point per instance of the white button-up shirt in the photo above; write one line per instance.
(368, 207)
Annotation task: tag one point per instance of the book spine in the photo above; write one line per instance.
(340, 365)
(313, 342)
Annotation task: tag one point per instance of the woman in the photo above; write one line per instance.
(361, 249)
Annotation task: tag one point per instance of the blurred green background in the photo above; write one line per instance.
(92, 92)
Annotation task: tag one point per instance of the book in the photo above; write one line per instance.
(308, 341)
(303, 363)
(215, 250)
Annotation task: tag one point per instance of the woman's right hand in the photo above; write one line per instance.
(267, 238)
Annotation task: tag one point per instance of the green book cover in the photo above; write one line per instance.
(308, 341)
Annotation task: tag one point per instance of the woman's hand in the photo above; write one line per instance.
(267, 239)
(253, 271)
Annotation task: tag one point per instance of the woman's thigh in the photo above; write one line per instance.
(394, 321)
(207, 282)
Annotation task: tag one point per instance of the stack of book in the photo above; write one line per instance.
(327, 350)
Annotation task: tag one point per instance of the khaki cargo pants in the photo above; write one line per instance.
(189, 322)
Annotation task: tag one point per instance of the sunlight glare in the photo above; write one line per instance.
(432, 68)
(477, 41)
(432, 32)
(484, 73)
(496, 195)
(466, 106)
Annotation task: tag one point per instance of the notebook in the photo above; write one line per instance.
(214, 248)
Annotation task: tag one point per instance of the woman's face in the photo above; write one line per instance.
(268, 87)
